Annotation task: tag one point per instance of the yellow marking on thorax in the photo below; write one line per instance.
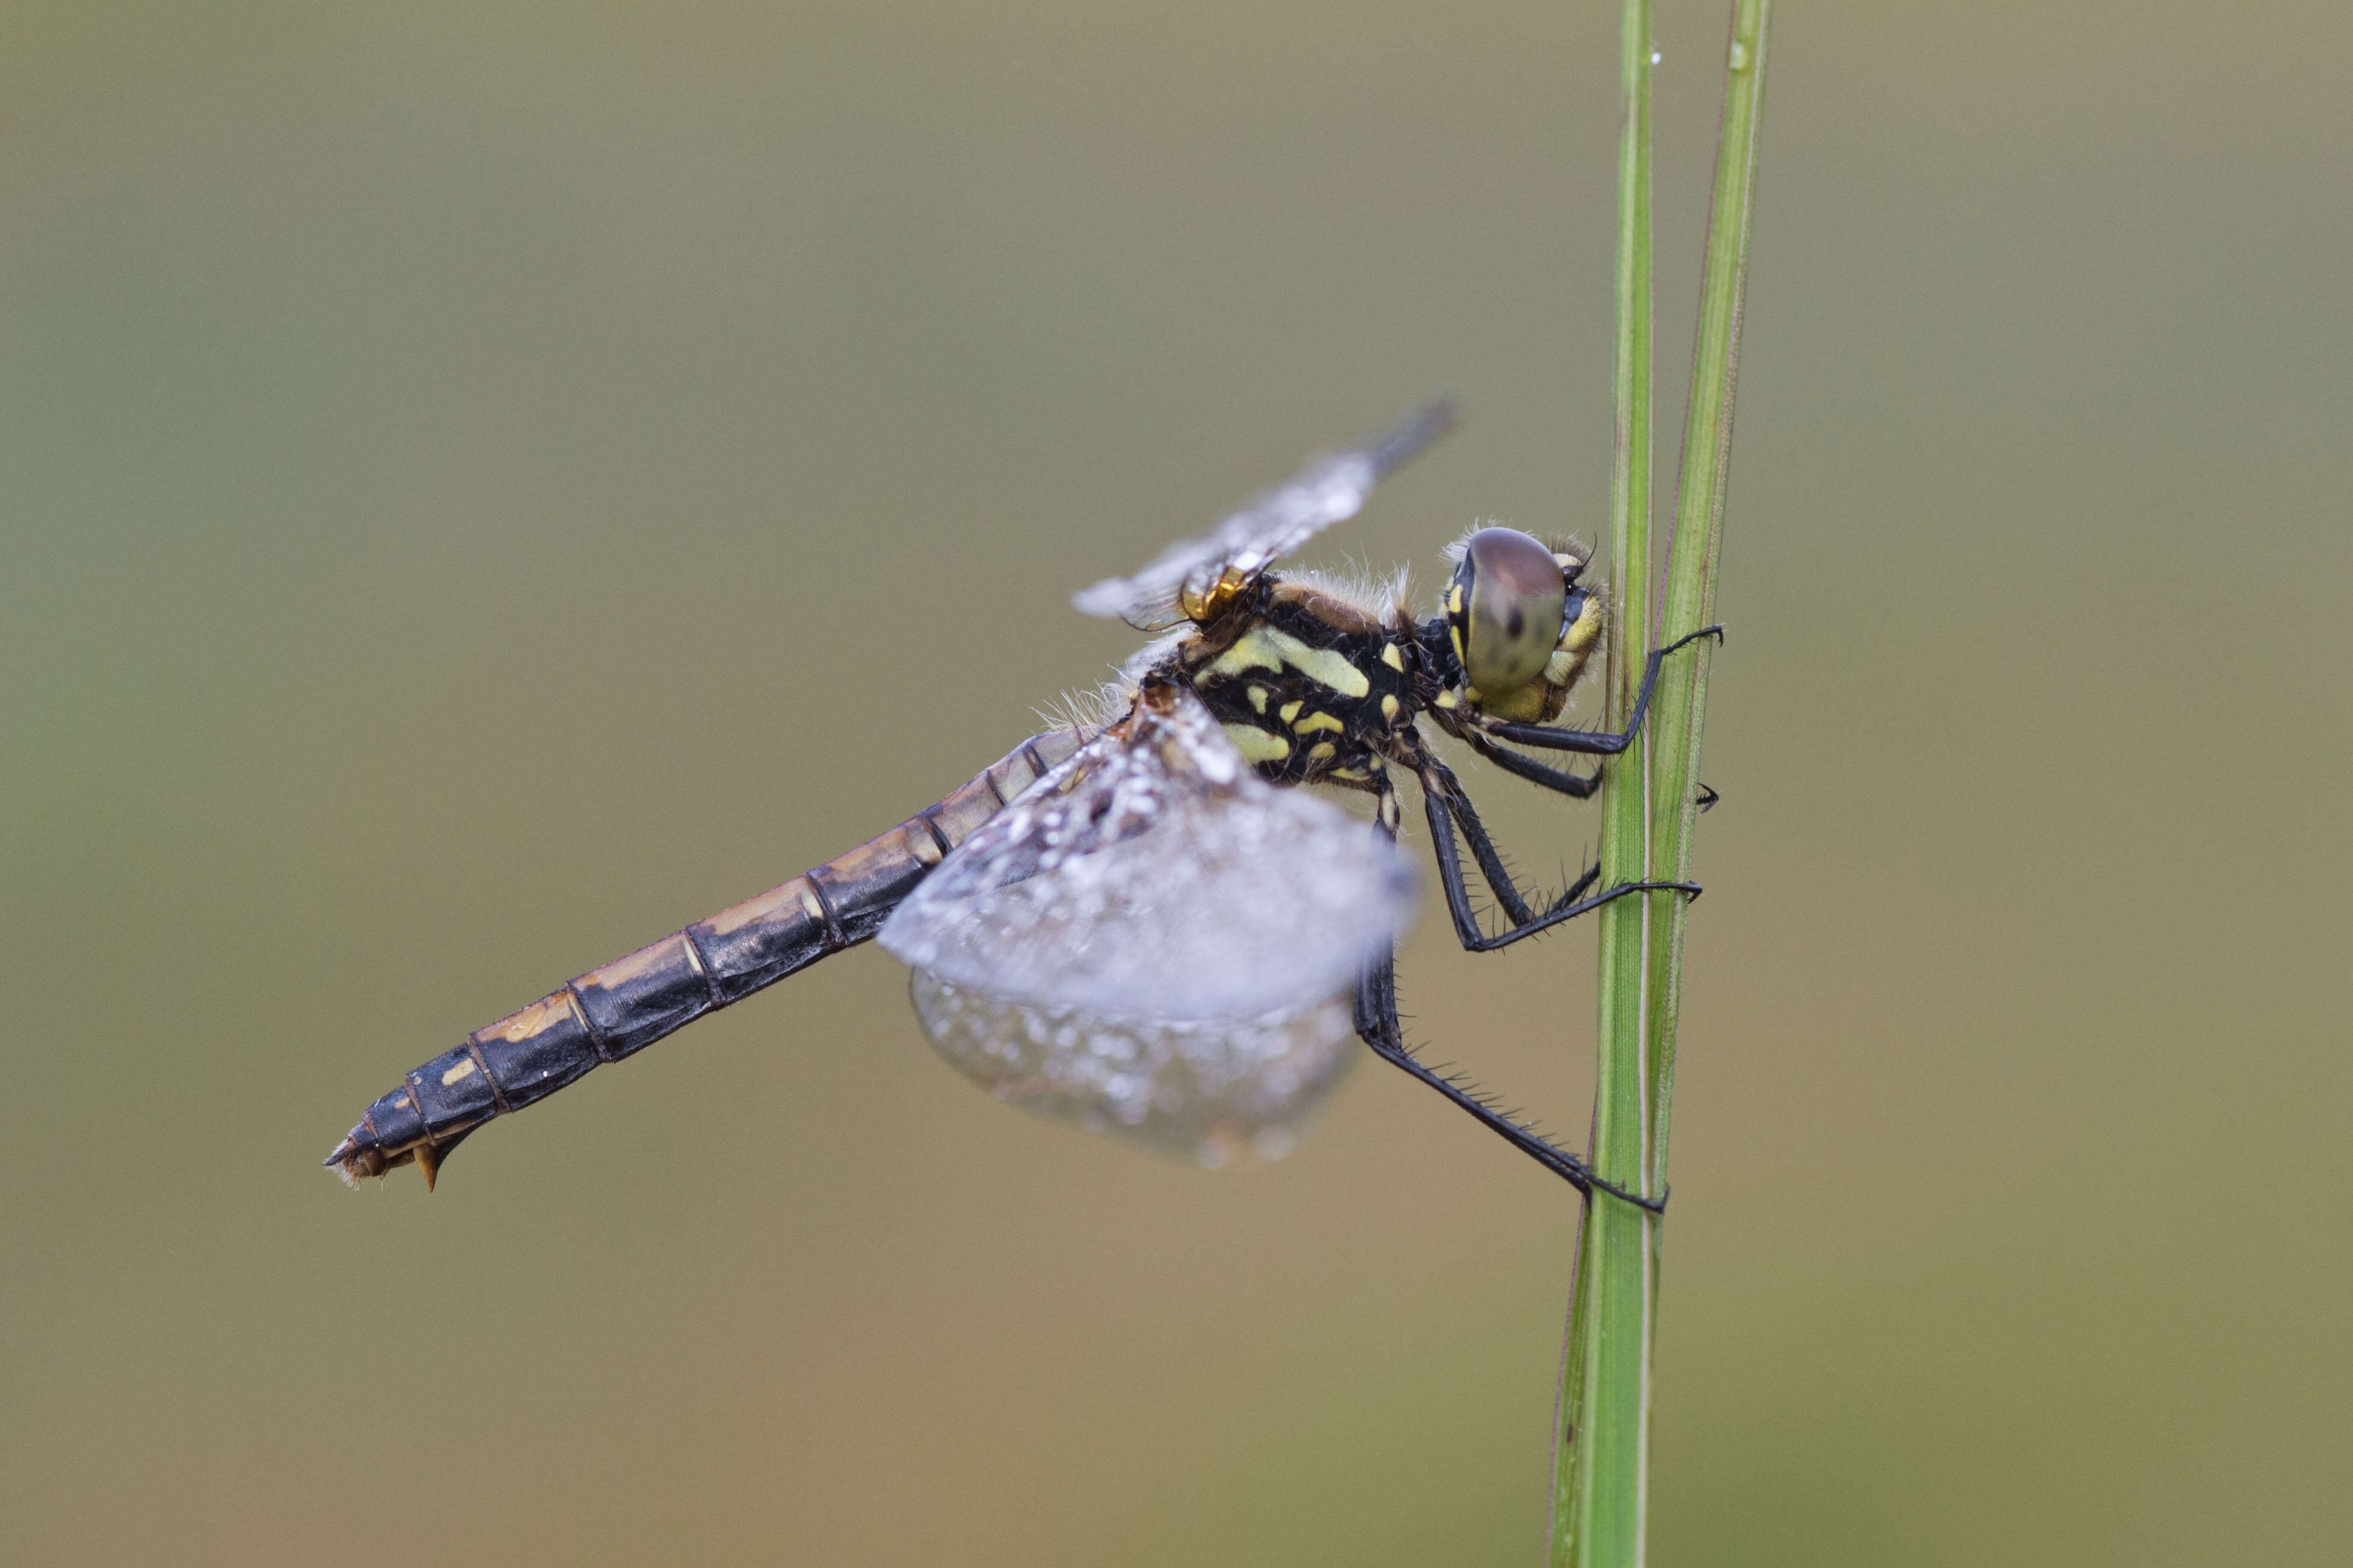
(1251, 650)
(1258, 698)
(1321, 749)
(1388, 708)
(1392, 658)
(1290, 711)
(1315, 722)
(1255, 744)
(1446, 698)
(1266, 648)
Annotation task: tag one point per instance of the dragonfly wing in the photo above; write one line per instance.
(1208, 1090)
(1330, 488)
(1154, 941)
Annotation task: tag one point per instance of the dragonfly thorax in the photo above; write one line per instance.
(1308, 685)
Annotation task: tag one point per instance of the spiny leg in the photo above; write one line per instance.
(1598, 742)
(1377, 1027)
(1577, 786)
(1442, 800)
(1482, 847)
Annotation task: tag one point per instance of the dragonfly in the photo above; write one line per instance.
(1139, 921)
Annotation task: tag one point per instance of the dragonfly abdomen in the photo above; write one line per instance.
(621, 1008)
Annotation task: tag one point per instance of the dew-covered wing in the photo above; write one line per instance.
(1208, 1091)
(1154, 941)
(1155, 875)
(1331, 489)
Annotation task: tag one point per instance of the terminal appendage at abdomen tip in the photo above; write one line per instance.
(358, 1156)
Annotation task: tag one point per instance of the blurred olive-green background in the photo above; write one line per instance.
(481, 486)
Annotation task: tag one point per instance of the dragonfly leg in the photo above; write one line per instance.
(1599, 743)
(1378, 1026)
(1482, 849)
(1577, 786)
(1444, 804)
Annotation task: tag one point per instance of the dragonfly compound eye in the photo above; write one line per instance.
(1505, 609)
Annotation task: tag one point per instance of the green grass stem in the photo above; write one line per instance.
(1602, 1446)
(1602, 1466)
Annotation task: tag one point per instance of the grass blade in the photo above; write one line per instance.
(1681, 701)
(1601, 1448)
(1602, 1458)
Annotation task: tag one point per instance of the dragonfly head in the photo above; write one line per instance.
(1519, 625)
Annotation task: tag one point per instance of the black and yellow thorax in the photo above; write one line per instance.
(1308, 685)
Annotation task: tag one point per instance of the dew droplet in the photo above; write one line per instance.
(1739, 55)
(1656, 56)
